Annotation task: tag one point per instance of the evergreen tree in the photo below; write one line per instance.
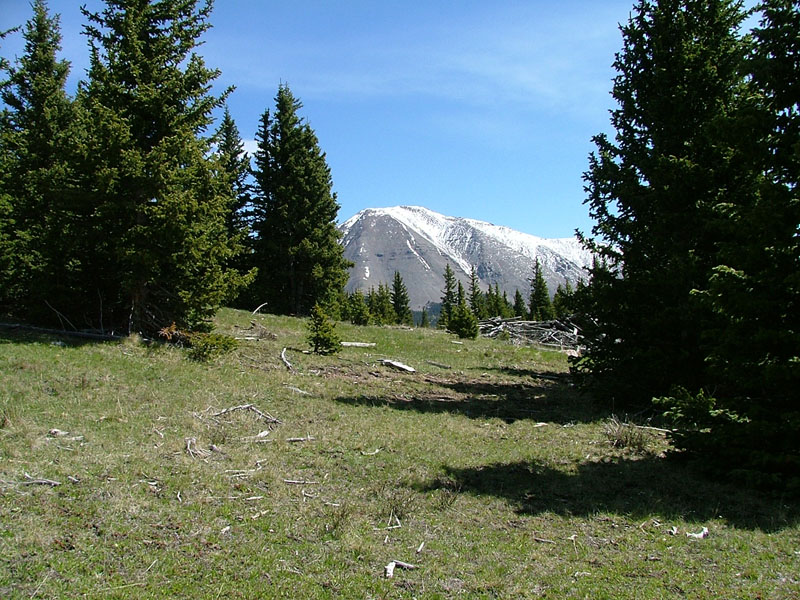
(400, 300)
(160, 245)
(540, 307)
(477, 301)
(507, 311)
(520, 308)
(563, 301)
(381, 309)
(751, 343)
(37, 137)
(358, 311)
(424, 320)
(322, 336)
(297, 248)
(448, 296)
(653, 191)
(462, 320)
(235, 166)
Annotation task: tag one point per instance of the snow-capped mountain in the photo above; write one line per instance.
(419, 243)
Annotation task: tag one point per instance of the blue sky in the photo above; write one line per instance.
(480, 109)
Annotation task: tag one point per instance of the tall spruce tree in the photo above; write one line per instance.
(233, 164)
(520, 308)
(449, 298)
(297, 248)
(540, 307)
(235, 167)
(400, 301)
(752, 344)
(477, 300)
(653, 190)
(159, 232)
(37, 136)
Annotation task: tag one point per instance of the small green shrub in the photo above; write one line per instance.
(206, 347)
(322, 334)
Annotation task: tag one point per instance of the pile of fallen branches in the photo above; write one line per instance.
(557, 334)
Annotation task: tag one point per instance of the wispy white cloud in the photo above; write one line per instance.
(489, 69)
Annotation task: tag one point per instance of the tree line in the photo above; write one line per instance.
(694, 301)
(120, 209)
(390, 305)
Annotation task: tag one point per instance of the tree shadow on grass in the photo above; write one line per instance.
(539, 400)
(639, 488)
(25, 335)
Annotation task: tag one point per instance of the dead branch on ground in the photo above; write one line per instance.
(558, 334)
(286, 360)
(266, 416)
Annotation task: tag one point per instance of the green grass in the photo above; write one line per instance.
(504, 475)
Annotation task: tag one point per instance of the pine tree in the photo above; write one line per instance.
(322, 336)
(400, 301)
(477, 301)
(506, 310)
(297, 248)
(448, 296)
(520, 308)
(540, 307)
(380, 305)
(751, 342)
(37, 139)
(563, 300)
(235, 167)
(462, 321)
(653, 191)
(358, 310)
(159, 235)
(424, 320)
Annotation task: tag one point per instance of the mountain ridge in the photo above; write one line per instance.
(419, 243)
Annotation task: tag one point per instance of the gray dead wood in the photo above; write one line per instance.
(397, 365)
(266, 416)
(37, 481)
(440, 365)
(555, 333)
(286, 360)
(358, 344)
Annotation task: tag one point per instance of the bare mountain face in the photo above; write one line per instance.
(419, 243)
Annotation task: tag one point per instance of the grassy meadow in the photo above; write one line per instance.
(128, 470)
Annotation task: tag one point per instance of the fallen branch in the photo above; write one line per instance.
(297, 390)
(358, 344)
(258, 308)
(193, 450)
(286, 360)
(300, 482)
(436, 364)
(35, 481)
(397, 365)
(388, 570)
(267, 417)
(308, 438)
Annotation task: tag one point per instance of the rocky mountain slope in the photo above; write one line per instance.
(419, 243)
